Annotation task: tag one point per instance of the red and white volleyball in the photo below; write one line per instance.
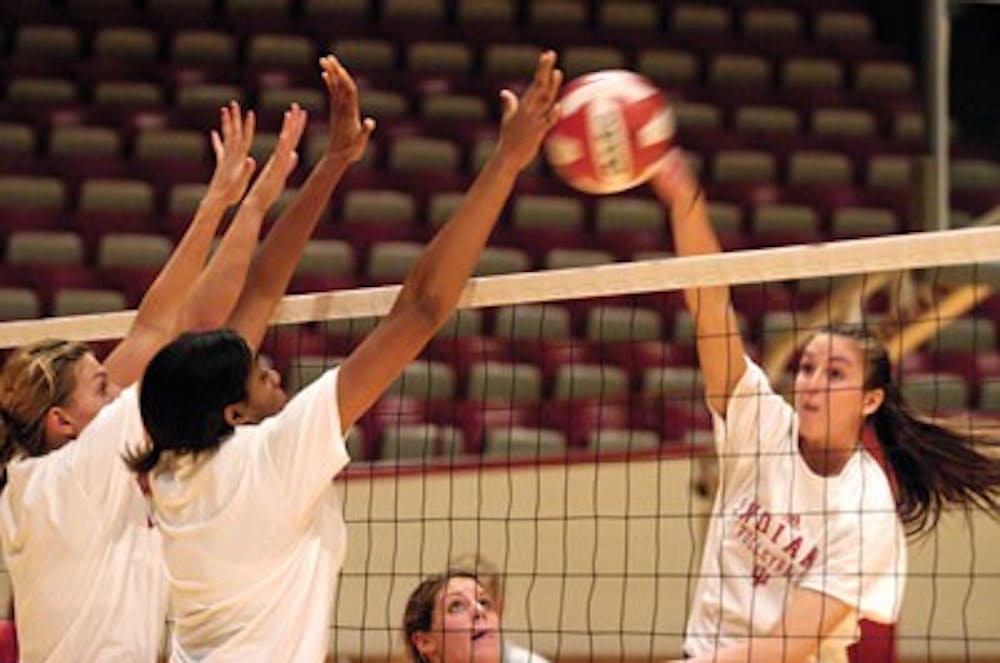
(613, 133)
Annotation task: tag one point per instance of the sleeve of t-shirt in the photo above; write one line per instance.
(304, 443)
(757, 419)
(94, 459)
(865, 561)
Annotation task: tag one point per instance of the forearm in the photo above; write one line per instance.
(694, 236)
(215, 291)
(273, 266)
(438, 278)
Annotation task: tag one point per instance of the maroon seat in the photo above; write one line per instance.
(549, 355)
(636, 357)
(877, 644)
(389, 411)
(8, 642)
(461, 352)
(578, 419)
(473, 418)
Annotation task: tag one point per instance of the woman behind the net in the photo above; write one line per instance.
(241, 482)
(807, 534)
(452, 618)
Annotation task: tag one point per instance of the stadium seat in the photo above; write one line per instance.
(627, 17)
(378, 205)
(849, 222)
(510, 60)
(389, 262)
(326, 257)
(486, 13)
(893, 77)
(888, 170)
(84, 141)
(693, 116)
(382, 104)
(617, 440)
(17, 139)
(31, 192)
(533, 322)
(965, 334)
(49, 43)
(502, 381)
(578, 60)
(544, 211)
(103, 195)
(208, 97)
(465, 323)
(426, 380)
(739, 70)
(814, 167)
(811, 73)
(44, 248)
(203, 47)
(272, 102)
(435, 57)
(559, 258)
(419, 442)
(502, 260)
(770, 119)
(417, 153)
(127, 44)
(276, 50)
(118, 250)
(465, 107)
(934, 393)
(523, 442)
(561, 13)
(365, 55)
(37, 91)
(426, 11)
(843, 122)
(839, 26)
(605, 382)
(765, 23)
(18, 303)
(128, 94)
(975, 174)
(744, 167)
(669, 67)
(622, 324)
(78, 301)
(690, 19)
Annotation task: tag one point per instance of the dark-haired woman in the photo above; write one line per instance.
(452, 618)
(241, 482)
(807, 533)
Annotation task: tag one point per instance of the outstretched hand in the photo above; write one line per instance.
(674, 184)
(233, 165)
(526, 120)
(348, 134)
(283, 159)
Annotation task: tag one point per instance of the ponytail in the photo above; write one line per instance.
(934, 467)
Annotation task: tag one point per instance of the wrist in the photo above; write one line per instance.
(505, 162)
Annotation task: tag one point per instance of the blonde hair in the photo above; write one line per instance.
(35, 378)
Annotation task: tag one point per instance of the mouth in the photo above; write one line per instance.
(482, 634)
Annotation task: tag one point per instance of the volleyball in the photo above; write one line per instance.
(613, 133)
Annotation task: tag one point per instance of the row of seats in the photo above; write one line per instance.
(42, 48)
(830, 26)
(579, 400)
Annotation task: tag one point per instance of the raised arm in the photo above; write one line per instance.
(157, 317)
(432, 287)
(809, 618)
(720, 347)
(215, 292)
(275, 262)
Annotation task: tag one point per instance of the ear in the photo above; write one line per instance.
(424, 644)
(59, 427)
(233, 414)
(873, 400)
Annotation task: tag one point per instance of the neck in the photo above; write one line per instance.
(825, 459)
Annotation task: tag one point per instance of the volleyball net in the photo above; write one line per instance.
(556, 428)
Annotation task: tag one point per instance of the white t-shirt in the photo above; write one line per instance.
(254, 536)
(85, 564)
(513, 653)
(777, 525)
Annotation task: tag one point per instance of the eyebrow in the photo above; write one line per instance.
(835, 358)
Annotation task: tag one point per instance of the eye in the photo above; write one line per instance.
(455, 606)
(836, 373)
(486, 602)
(805, 367)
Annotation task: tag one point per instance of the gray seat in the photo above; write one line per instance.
(606, 382)
(507, 382)
(613, 324)
(28, 247)
(426, 380)
(533, 322)
(524, 442)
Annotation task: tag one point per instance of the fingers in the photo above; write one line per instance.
(510, 103)
(217, 146)
(368, 126)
